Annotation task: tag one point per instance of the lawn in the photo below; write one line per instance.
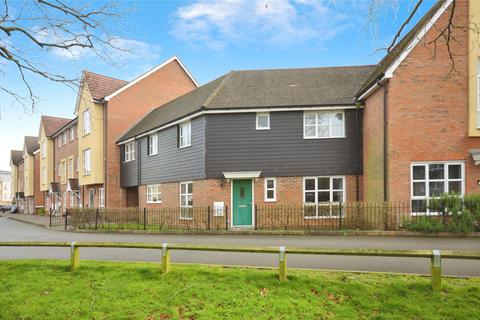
(44, 289)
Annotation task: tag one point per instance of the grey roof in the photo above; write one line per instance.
(329, 86)
(398, 48)
(16, 156)
(31, 143)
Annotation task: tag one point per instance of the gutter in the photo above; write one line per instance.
(385, 137)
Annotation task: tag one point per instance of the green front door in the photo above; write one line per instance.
(242, 203)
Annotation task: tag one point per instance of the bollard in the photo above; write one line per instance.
(436, 270)
(165, 258)
(282, 264)
(74, 257)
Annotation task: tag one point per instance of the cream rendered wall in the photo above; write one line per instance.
(92, 140)
(46, 161)
(14, 187)
(473, 57)
(29, 177)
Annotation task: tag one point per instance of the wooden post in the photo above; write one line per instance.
(208, 218)
(74, 257)
(66, 218)
(96, 219)
(282, 264)
(144, 218)
(436, 270)
(50, 217)
(165, 258)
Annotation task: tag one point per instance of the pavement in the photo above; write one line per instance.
(13, 230)
(30, 218)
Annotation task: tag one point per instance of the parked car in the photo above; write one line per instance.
(13, 208)
(4, 208)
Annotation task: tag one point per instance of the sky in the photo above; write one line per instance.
(211, 38)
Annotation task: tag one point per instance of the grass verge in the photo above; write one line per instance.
(45, 289)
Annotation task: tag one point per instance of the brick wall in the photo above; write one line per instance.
(128, 107)
(208, 191)
(428, 108)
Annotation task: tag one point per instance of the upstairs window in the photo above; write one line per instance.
(152, 144)
(185, 135)
(72, 133)
(64, 138)
(320, 125)
(86, 122)
(86, 162)
(130, 151)
(263, 121)
(70, 168)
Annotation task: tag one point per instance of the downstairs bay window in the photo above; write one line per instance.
(323, 196)
(431, 180)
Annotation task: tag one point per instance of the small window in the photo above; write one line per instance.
(153, 144)
(154, 195)
(91, 198)
(130, 151)
(72, 133)
(101, 197)
(263, 121)
(186, 200)
(321, 125)
(86, 122)
(185, 135)
(64, 138)
(70, 168)
(270, 189)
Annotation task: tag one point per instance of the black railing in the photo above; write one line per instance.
(310, 218)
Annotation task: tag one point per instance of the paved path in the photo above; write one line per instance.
(11, 230)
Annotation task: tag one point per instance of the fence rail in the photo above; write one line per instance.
(435, 255)
(331, 216)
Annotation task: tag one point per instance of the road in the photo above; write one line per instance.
(11, 230)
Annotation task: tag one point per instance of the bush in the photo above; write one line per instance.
(425, 224)
(41, 211)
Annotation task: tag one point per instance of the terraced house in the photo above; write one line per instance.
(16, 157)
(106, 108)
(30, 175)
(48, 168)
(406, 130)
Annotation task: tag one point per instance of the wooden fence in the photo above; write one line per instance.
(434, 255)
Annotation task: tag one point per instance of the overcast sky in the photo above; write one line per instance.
(212, 38)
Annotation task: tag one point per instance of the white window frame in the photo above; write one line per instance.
(427, 181)
(44, 149)
(153, 144)
(262, 114)
(87, 122)
(70, 168)
(64, 138)
(129, 151)
(185, 205)
(101, 197)
(274, 189)
(87, 169)
(185, 132)
(72, 133)
(72, 200)
(154, 193)
(330, 190)
(330, 125)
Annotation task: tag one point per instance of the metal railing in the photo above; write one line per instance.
(434, 255)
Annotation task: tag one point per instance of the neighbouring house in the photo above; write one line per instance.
(106, 108)
(252, 137)
(16, 157)
(421, 125)
(30, 176)
(5, 187)
(404, 130)
(47, 167)
(65, 190)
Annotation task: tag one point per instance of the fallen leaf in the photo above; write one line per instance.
(263, 291)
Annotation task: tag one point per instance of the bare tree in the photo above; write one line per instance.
(30, 29)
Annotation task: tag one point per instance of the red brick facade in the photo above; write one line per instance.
(208, 191)
(39, 197)
(427, 115)
(128, 107)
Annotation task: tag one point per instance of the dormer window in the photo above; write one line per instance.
(263, 121)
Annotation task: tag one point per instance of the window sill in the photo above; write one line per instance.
(262, 129)
(270, 201)
(129, 161)
(85, 134)
(187, 219)
(322, 138)
(185, 147)
(322, 217)
(154, 202)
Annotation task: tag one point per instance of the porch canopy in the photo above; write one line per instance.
(242, 174)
